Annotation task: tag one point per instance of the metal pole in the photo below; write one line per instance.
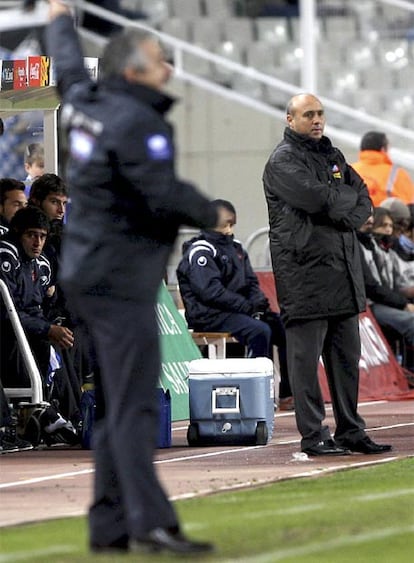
(308, 35)
(50, 135)
(36, 390)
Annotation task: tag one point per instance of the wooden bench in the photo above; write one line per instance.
(215, 341)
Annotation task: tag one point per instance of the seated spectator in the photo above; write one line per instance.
(50, 194)
(12, 198)
(221, 293)
(392, 310)
(34, 163)
(383, 178)
(403, 244)
(392, 270)
(27, 274)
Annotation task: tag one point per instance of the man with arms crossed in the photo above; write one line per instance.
(316, 203)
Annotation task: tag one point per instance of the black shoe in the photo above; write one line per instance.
(121, 545)
(160, 539)
(11, 442)
(327, 447)
(366, 446)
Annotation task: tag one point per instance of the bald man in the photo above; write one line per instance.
(316, 203)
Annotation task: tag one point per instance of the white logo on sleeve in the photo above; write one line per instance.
(81, 144)
(159, 147)
(6, 267)
(202, 261)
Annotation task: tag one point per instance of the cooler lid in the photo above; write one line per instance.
(263, 366)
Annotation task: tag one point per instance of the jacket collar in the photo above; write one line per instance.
(218, 238)
(159, 101)
(323, 145)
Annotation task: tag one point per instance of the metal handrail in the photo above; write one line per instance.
(251, 239)
(178, 46)
(400, 156)
(35, 392)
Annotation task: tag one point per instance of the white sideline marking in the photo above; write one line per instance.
(26, 555)
(321, 506)
(259, 482)
(326, 545)
(283, 511)
(206, 455)
(46, 478)
(390, 494)
(391, 426)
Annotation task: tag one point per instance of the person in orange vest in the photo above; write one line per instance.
(383, 178)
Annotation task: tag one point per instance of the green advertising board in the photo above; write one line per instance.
(177, 350)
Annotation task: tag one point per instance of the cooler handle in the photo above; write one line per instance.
(225, 391)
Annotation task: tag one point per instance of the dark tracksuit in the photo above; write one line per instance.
(221, 293)
(27, 280)
(316, 201)
(127, 206)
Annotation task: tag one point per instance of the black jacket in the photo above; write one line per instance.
(316, 201)
(215, 277)
(27, 280)
(127, 203)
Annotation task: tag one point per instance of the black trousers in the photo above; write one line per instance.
(128, 498)
(337, 340)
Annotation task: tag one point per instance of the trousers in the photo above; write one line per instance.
(337, 340)
(128, 497)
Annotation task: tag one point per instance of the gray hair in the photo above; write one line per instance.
(123, 51)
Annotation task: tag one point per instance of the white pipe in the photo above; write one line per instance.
(36, 389)
(308, 24)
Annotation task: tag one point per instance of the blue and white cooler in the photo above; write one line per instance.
(231, 401)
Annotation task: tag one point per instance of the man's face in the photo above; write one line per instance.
(54, 205)
(307, 116)
(157, 71)
(33, 241)
(15, 200)
(226, 223)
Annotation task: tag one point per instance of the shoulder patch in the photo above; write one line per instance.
(202, 261)
(201, 246)
(9, 256)
(6, 267)
(45, 270)
(81, 144)
(158, 147)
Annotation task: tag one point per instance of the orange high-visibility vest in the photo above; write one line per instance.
(383, 178)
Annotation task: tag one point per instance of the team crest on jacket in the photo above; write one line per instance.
(336, 172)
(6, 267)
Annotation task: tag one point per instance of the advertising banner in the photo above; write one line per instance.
(380, 375)
(177, 350)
